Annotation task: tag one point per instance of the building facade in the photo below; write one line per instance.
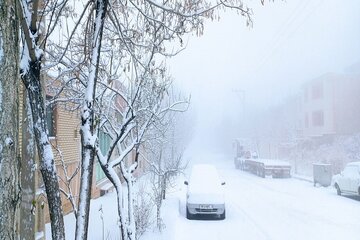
(330, 105)
(64, 133)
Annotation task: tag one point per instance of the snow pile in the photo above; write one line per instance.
(108, 226)
(337, 151)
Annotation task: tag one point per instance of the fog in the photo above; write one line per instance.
(234, 72)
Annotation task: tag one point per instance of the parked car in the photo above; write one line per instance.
(348, 181)
(205, 195)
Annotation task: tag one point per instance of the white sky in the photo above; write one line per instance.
(291, 42)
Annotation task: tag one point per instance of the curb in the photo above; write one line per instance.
(303, 178)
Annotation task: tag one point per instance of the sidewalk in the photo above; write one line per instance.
(303, 177)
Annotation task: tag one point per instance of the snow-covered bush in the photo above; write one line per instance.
(143, 210)
(337, 151)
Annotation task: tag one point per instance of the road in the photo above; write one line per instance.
(256, 209)
(273, 209)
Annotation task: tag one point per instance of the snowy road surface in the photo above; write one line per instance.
(256, 209)
(274, 209)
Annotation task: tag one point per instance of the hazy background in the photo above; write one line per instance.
(233, 71)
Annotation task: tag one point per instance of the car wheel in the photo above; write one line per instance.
(338, 191)
(222, 216)
(188, 214)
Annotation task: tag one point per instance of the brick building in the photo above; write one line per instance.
(64, 133)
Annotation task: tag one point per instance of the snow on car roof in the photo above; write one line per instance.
(204, 178)
(273, 162)
(354, 164)
(322, 164)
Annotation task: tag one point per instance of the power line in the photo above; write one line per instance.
(287, 30)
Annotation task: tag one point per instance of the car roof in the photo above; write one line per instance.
(354, 164)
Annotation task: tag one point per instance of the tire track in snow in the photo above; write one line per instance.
(251, 219)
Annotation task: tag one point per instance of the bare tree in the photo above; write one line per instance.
(126, 138)
(163, 156)
(129, 84)
(88, 128)
(163, 169)
(133, 53)
(157, 25)
(143, 207)
(9, 100)
(31, 63)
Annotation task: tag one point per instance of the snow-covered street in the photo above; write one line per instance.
(274, 209)
(256, 208)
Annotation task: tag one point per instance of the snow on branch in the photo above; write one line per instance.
(68, 180)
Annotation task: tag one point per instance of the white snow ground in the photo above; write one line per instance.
(256, 209)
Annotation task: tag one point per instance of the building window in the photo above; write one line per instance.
(100, 175)
(305, 94)
(318, 118)
(50, 117)
(317, 91)
(104, 142)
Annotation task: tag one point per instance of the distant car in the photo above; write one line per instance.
(205, 195)
(348, 181)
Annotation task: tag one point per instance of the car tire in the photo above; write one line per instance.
(223, 215)
(189, 215)
(338, 191)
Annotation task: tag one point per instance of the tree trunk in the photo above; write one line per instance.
(47, 164)
(158, 216)
(163, 186)
(120, 213)
(88, 126)
(115, 180)
(28, 172)
(9, 147)
(131, 229)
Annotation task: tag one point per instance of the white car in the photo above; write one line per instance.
(205, 195)
(348, 181)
